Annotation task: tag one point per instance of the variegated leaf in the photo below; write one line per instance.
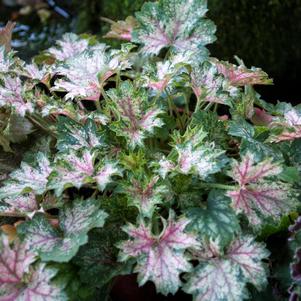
(27, 178)
(73, 135)
(85, 73)
(257, 196)
(195, 156)
(215, 220)
(209, 86)
(160, 258)
(6, 60)
(20, 281)
(11, 96)
(136, 118)
(75, 169)
(75, 221)
(70, 46)
(292, 128)
(178, 24)
(104, 174)
(166, 74)
(145, 194)
(242, 76)
(224, 277)
(24, 204)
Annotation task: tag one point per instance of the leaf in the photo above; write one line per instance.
(97, 260)
(6, 60)
(145, 194)
(121, 30)
(160, 258)
(176, 24)
(75, 169)
(250, 143)
(21, 281)
(195, 156)
(242, 76)
(18, 128)
(257, 196)
(70, 46)
(6, 35)
(166, 74)
(29, 177)
(72, 135)
(216, 220)
(11, 96)
(24, 204)
(86, 72)
(209, 86)
(75, 221)
(292, 127)
(137, 119)
(225, 277)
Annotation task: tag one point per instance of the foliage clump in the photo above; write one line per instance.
(154, 159)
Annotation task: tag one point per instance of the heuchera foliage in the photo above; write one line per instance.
(154, 159)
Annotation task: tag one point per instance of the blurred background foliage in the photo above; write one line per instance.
(265, 33)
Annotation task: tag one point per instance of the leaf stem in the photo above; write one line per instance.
(219, 186)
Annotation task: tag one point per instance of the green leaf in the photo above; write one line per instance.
(250, 143)
(73, 135)
(216, 220)
(62, 244)
(97, 259)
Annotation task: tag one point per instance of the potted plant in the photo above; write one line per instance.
(153, 164)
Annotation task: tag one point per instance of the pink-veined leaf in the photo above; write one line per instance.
(209, 86)
(137, 119)
(240, 75)
(121, 30)
(11, 96)
(20, 281)
(86, 72)
(178, 24)
(75, 221)
(221, 277)
(162, 75)
(76, 169)
(160, 258)
(292, 128)
(257, 196)
(24, 204)
(27, 178)
(146, 194)
(70, 45)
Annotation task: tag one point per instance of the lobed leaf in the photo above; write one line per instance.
(11, 96)
(27, 178)
(176, 24)
(257, 196)
(224, 277)
(19, 280)
(60, 245)
(160, 258)
(73, 135)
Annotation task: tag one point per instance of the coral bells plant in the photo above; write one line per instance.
(153, 159)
